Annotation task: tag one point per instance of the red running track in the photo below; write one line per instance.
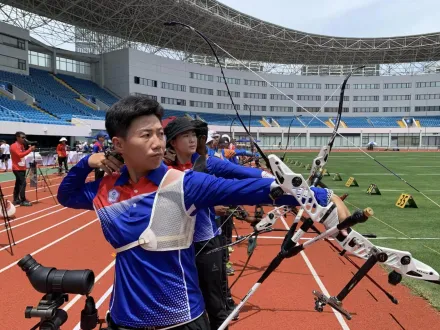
(72, 239)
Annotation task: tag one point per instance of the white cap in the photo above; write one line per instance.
(63, 139)
(226, 136)
(209, 137)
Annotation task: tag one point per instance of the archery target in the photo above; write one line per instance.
(10, 209)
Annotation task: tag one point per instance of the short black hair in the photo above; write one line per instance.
(19, 133)
(121, 114)
(201, 127)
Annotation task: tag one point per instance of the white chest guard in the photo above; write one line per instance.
(171, 227)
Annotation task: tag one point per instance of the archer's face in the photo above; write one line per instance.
(185, 143)
(144, 146)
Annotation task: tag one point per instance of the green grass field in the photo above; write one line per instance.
(394, 226)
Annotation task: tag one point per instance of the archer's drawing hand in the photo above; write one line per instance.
(109, 165)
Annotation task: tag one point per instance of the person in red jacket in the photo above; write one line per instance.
(62, 156)
(18, 154)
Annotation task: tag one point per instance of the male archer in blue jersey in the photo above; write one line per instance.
(147, 213)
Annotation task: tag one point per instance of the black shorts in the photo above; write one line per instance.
(5, 157)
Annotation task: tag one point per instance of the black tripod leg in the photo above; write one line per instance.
(336, 302)
(44, 179)
(6, 219)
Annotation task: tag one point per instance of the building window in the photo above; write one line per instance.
(281, 109)
(396, 109)
(225, 93)
(254, 95)
(308, 86)
(366, 98)
(280, 84)
(174, 87)
(396, 97)
(227, 106)
(200, 104)
(40, 59)
(258, 83)
(12, 62)
(399, 85)
(201, 76)
(335, 109)
(145, 82)
(281, 97)
(427, 108)
(428, 84)
(233, 81)
(336, 98)
(66, 64)
(169, 100)
(366, 86)
(309, 109)
(22, 64)
(336, 86)
(366, 109)
(12, 41)
(309, 97)
(199, 90)
(427, 96)
(21, 44)
(255, 107)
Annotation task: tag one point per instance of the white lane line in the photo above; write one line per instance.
(32, 220)
(28, 215)
(31, 190)
(50, 244)
(45, 229)
(27, 183)
(321, 285)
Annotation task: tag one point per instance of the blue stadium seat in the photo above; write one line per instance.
(50, 95)
(429, 121)
(87, 87)
(13, 110)
(285, 121)
(355, 122)
(385, 122)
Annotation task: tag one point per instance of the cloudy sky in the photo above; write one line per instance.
(348, 18)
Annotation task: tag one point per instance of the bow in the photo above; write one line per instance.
(295, 185)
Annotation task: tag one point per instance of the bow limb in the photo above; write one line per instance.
(206, 39)
(321, 160)
(401, 261)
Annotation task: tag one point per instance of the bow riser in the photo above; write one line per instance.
(271, 217)
(319, 162)
(401, 261)
(294, 184)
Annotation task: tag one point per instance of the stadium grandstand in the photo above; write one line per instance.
(63, 64)
(51, 91)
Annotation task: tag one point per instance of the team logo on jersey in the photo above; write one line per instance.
(113, 196)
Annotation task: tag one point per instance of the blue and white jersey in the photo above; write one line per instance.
(156, 288)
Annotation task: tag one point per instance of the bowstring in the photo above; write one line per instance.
(315, 117)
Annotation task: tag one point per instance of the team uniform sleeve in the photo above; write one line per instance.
(15, 151)
(202, 191)
(243, 152)
(95, 148)
(228, 170)
(74, 192)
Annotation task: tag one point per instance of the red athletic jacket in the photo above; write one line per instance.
(17, 156)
